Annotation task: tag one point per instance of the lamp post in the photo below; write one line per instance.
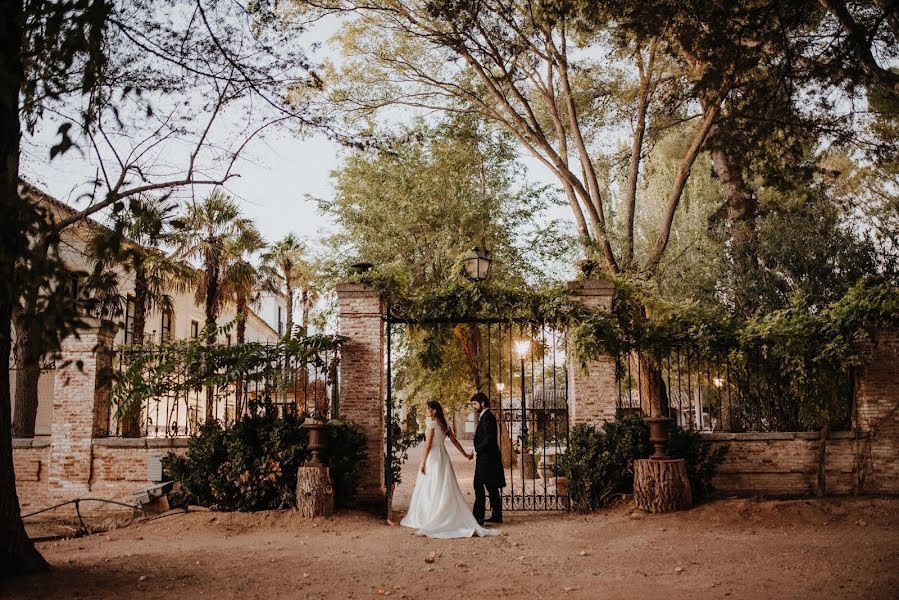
(477, 264)
(521, 348)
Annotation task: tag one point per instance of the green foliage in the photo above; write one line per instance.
(402, 439)
(177, 367)
(346, 457)
(800, 354)
(253, 464)
(702, 462)
(597, 466)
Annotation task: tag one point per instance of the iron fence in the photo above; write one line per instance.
(178, 401)
(731, 392)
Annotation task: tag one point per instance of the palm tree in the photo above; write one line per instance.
(286, 262)
(242, 282)
(213, 232)
(130, 246)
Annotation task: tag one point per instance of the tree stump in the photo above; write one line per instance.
(315, 492)
(662, 485)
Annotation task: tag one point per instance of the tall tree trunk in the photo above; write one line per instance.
(289, 286)
(28, 373)
(241, 302)
(17, 552)
(212, 290)
(305, 300)
(141, 293)
(469, 337)
(29, 350)
(741, 207)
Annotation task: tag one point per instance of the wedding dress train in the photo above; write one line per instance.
(438, 509)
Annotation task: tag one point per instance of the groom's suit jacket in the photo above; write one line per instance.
(488, 468)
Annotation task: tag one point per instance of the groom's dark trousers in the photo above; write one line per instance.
(488, 471)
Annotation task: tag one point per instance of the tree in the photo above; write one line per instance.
(86, 66)
(567, 79)
(130, 248)
(214, 233)
(132, 245)
(416, 208)
(289, 269)
(242, 281)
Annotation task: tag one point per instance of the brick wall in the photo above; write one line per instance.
(118, 468)
(362, 378)
(31, 458)
(877, 412)
(784, 464)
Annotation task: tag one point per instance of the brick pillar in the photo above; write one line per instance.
(592, 397)
(80, 407)
(361, 378)
(877, 415)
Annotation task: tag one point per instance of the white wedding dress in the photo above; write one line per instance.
(438, 508)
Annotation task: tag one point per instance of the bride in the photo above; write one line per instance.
(438, 508)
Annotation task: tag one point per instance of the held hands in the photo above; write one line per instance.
(469, 455)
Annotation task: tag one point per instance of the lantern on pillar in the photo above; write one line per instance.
(477, 264)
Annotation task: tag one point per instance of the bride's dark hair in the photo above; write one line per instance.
(440, 418)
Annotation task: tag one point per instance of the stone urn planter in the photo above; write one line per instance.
(661, 483)
(315, 489)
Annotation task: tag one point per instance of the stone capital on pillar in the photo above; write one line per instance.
(362, 378)
(81, 405)
(592, 397)
(595, 294)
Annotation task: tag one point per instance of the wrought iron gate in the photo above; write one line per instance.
(521, 367)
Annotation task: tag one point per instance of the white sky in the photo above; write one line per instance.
(277, 173)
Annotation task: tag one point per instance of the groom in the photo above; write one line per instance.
(488, 470)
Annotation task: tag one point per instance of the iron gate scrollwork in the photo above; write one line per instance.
(522, 368)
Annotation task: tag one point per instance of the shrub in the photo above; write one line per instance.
(253, 464)
(599, 465)
(346, 457)
(702, 463)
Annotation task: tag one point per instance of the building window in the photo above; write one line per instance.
(227, 339)
(280, 323)
(129, 320)
(165, 328)
(74, 286)
(194, 329)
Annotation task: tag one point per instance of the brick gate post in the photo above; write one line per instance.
(877, 416)
(362, 377)
(592, 396)
(81, 403)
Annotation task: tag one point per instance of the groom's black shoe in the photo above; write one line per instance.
(494, 520)
(479, 522)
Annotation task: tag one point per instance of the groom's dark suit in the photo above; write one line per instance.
(488, 470)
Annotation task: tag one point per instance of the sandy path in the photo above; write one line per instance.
(841, 548)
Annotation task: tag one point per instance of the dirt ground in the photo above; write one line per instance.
(735, 548)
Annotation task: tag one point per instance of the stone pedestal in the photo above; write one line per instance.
(362, 380)
(81, 406)
(593, 395)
